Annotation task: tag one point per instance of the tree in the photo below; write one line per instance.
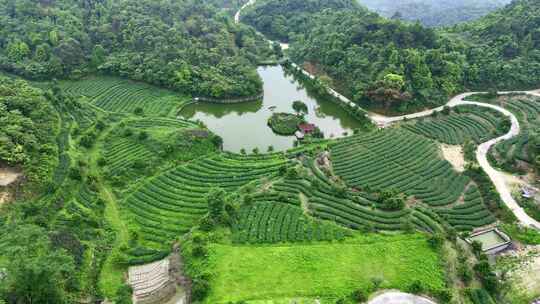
(35, 272)
(299, 107)
(436, 241)
(388, 90)
(98, 56)
(216, 204)
(476, 248)
(391, 200)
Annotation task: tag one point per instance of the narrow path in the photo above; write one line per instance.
(111, 275)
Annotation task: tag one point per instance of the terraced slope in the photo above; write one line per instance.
(124, 148)
(464, 122)
(274, 222)
(470, 214)
(171, 203)
(508, 153)
(401, 160)
(118, 95)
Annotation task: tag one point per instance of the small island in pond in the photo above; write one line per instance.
(284, 123)
(291, 124)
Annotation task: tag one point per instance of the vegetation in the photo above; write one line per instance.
(434, 12)
(171, 203)
(519, 154)
(272, 222)
(433, 64)
(114, 179)
(30, 124)
(118, 95)
(204, 54)
(461, 124)
(328, 270)
(284, 123)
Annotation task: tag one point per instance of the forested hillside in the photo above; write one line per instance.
(279, 19)
(190, 46)
(504, 47)
(357, 49)
(380, 62)
(434, 12)
(29, 125)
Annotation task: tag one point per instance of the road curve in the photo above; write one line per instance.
(394, 297)
(496, 176)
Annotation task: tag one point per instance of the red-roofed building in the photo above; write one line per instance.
(306, 128)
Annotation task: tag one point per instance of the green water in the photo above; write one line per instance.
(245, 125)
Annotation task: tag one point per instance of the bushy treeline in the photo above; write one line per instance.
(434, 12)
(374, 60)
(191, 46)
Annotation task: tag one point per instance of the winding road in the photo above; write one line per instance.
(496, 176)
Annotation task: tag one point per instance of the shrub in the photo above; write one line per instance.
(416, 287)
(123, 295)
(200, 289)
(101, 161)
(476, 248)
(360, 295)
(143, 135)
(446, 110)
(75, 173)
(138, 111)
(436, 241)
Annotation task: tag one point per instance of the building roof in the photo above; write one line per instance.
(306, 127)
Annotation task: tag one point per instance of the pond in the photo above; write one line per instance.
(489, 239)
(244, 125)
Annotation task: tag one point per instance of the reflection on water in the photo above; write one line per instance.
(244, 125)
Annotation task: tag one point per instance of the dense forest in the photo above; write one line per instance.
(190, 46)
(359, 52)
(434, 12)
(29, 124)
(503, 48)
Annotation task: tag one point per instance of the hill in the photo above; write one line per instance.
(434, 12)
(394, 66)
(504, 47)
(354, 49)
(187, 46)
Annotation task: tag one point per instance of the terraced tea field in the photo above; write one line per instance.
(171, 203)
(464, 122)
(411, 164)
(274, 222)
(401, 160)
(124, 148)
(508, 154)
(124, 96)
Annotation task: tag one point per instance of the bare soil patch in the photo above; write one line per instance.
(454, 155)
(8, 175)
(5, 197)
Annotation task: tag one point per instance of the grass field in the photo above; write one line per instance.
(321, 270)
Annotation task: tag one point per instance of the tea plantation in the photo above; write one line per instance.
(329, 218)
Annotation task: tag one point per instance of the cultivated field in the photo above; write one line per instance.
(124, 96)
(321, 270)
